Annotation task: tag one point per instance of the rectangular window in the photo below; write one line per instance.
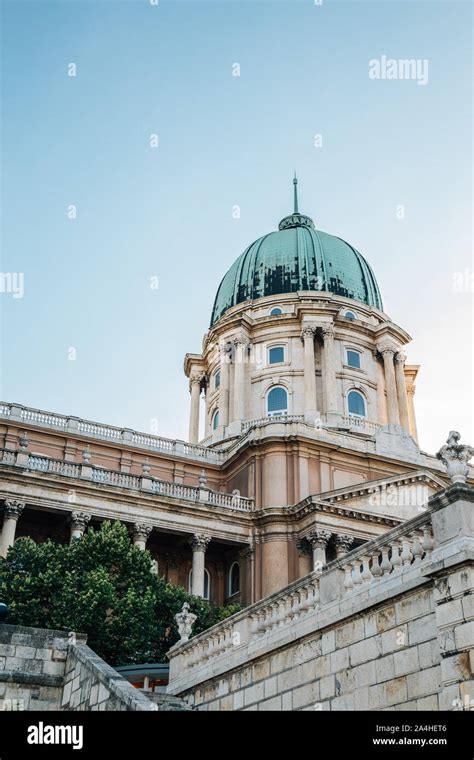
(217, 379)
(353, 359)
(276, 355)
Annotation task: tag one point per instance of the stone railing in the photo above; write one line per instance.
(196, 494)
(78, 426)
(379, 561)
(359, 424)
(44, 464)
(285, 418)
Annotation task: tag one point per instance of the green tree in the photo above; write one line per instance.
(104, 586)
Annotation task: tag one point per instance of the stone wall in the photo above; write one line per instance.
(32, 667)
(43, 670)
(389, 626)
(386, 659)
(91, 684)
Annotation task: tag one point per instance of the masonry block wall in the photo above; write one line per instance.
(43, 670)
(398, 638)
(386, 659)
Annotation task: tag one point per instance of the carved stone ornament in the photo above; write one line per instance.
(79, 520)
(199, 542)
(185, 621)
(308, 330)
(456, 457)
(318, 538)
(13, 508)
(141, 531)
(344, 543)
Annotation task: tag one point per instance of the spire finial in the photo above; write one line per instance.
(295, 194)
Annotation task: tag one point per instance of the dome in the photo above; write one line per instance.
(297, 257)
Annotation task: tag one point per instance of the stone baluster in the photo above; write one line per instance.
(417, 548)
(385, 565)
(376, 568)
(427, 543)
(396, 560)
(348, 582)
(406, 555)
(356, 573)
(366, 575)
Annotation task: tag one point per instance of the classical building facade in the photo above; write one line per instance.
(302, 434)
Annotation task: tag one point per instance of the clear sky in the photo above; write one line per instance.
(166, 212)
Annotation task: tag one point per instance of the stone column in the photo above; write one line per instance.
(400, 360)
(78, 522)
(12, 511)
(411, 412)
(198, 544)
(310, 404)
(224, 387)
(247, 578)
(343, 545)
(305, 557)
(240, 343)
(390, 384)
(195, 381)
(329, 369)
(140, 533)
(381, 399)
(318, 539)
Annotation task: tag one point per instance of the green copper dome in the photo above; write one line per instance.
(297, 257)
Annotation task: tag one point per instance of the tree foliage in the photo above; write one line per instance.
(104, 586)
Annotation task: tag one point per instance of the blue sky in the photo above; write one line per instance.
(166, 212)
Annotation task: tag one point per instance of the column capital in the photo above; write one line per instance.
(387, 349)
(13, 508)
(308, 331)
(343, 543)
(240, 340)
(328, 331)
(79, 520)
(411, 390)
(400, 358)
(196, 378)
(199, 542)
(141, 531)
(318, 538)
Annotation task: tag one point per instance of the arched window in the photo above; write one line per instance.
(350, 315)
(277, 401)
(353, 358)
(234, 579)
(356, 404)
(217, 379)
(215, 420)
(276, 354)
(207, 583)
(275, 312)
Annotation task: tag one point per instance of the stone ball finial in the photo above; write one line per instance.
(456, 457)
(185, 621)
